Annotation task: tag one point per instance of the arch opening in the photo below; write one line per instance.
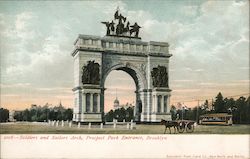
(119, 86)
(131, 96)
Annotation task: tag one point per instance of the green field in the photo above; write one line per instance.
(43, 128)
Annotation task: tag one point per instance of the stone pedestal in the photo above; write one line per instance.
(90, 108)
(160, 104)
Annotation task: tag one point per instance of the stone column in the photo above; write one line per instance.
(157, 103)
(83, 102)
(99, 43)
(141, 47)
(168, 104)
(154, 105)
(165, 104)
(136, 109)
(162, 104)
(149, 103)
(98, 103)
(102, 100)
(79, 105)
(78, 101)
(90, 42)
(153, 102)
(144, 106)
(91, 102)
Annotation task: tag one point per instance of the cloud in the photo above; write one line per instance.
(243, 81)
(21, 20)
(213, 42)
(20, 29)
(208, 84)
(10, 95)
(120, 88)
(183, 80)
(17, 85)
(190, 11)
(209, 42)
(186, 90)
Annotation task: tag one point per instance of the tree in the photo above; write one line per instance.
(190, 114)
(26, 115)
(229, 104)
(240, 109)
(52, 115)
(129, 113)
(18, 115)
(33, 113)
(109, 116)
(248, 110)
(34, 118)
(219, 104)
(120, 114)
(68, 114)
(38, 113)
(173, 112)
(4, 115)
(205, 105)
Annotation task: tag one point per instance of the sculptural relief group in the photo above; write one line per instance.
(121, 27)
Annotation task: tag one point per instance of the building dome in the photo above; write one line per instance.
(116, 104)
(116, 101)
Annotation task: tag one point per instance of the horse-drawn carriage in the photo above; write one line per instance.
(180, 125)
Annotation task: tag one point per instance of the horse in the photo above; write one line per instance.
(169, 124)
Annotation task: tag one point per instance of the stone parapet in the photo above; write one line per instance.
(121, 45)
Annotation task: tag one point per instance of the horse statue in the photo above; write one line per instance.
(135, 29)
(169, 124)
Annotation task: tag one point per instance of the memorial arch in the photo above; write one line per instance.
(146, 62)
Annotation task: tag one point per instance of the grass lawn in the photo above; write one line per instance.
(43, 128)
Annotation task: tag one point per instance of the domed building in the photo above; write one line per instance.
(116, 104)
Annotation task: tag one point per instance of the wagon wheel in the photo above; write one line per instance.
(181, 127)
(190, 127)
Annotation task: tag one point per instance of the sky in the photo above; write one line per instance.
(209, 41)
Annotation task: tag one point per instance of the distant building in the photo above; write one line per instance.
(11, 116)
(118, 106)
(127, 105)
(117, 103)
(60, 104)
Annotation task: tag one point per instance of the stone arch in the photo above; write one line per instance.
(137, 58)
(133, 71)
(138, 78)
